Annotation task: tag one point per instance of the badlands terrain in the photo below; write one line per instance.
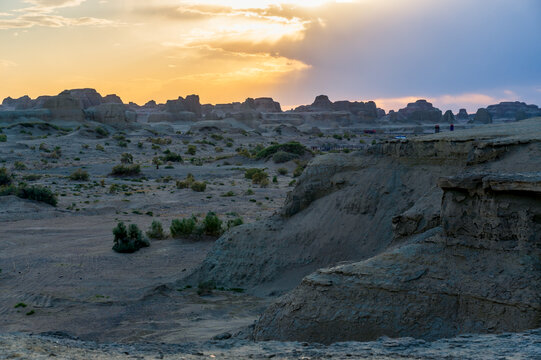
(363, 234)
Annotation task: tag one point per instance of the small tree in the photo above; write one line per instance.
(128, 240)
(212, 224)
(184, 227)
(156, 231)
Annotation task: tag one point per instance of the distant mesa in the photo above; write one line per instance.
(482, 116)
(513, 111)
(420, 111)
(362, 110)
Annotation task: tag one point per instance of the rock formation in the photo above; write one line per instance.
(109, 113)
(420, 111)
(482, 117)
(180, 107)
(267, 105)
(481, 272)
(448, 117)
(462, 115)
(362, 110)
(513, 111)
(64, 107)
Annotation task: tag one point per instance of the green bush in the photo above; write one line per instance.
(156, 231)
(100, 147)
(128, 240)
(282, 157)
(126, 170)
(212, 224)
(126, 158)
(282, 171)
(3, 138)
(261, 178)
(101, 131)
(18, 165)
(79, 175)
(37, 193)
(249, 173)
(184, 227)
(5, 177)
(192, 149)
(290, 147)
(198, 186)
(275, 179)
(171, 157)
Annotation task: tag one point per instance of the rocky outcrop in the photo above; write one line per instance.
(448, 117)
(64, 107)
(86, 97)
(112, 99)
(178, 108)
(462, 115)
(513, 111)
(362, 110)
(482, 117)
(110, 114)
(479, 273)
(420, 112)
(267, 105)
(22, 103)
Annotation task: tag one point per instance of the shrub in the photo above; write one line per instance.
(205, 288)
(184, 227)
(3, 138)
(235, 222)
(275, 179)
(100, 147)
(126, 170)
(18, 165)
(283, 157)
(128, 240)
(198, 186)
(260, 178)
(249, 173)
(101, 131)
(192, 149)
(230, 193)
(171, 157)
(212, 224)
(79, 175)
(160, 141)
(37, 193)
(126, 158)
(5, 177)
(217, 137)
(156, 231)
(290, 147)
(282, 171)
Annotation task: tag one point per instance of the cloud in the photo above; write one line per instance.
(42, 13)
(47, 20)
(54, 4)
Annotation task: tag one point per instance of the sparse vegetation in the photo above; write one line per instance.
(184, 227)
(126, 158)
(3, 138)
(212, 224)
(192, 149)
(5, 177)
(102, 132)
(171, 157)
(198, 186)
(79, 175)
(126, 170)
(283, 157)
(128, 240)
(18, 165)
(234, 222)
(36, 193)
(282, 171)
(291, 147)
(156, 231)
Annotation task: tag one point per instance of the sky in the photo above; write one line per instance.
(455, 53)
